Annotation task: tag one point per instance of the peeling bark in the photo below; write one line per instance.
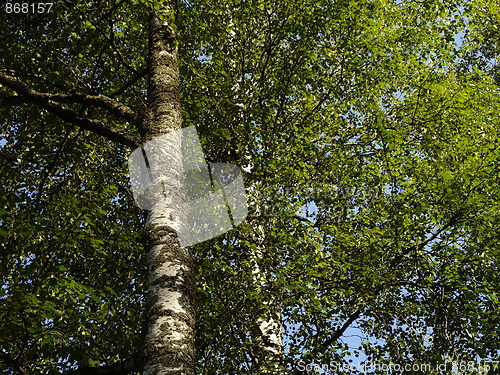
(169, 343)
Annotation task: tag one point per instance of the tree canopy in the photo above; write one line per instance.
(368, 131)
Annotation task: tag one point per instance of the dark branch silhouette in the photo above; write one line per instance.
(52, 103)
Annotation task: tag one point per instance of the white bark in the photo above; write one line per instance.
(169, 344)
(269, 352)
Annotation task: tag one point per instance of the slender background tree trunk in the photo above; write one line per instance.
(268, 352)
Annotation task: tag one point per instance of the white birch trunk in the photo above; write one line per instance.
(269, 351)
(169, 344)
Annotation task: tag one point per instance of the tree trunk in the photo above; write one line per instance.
(169, 343)
(268, 353)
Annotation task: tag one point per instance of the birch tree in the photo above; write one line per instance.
(368, 137)
(169, 336)
(169, 343)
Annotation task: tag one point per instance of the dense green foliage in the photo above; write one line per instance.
(72, 265)
(370, 137)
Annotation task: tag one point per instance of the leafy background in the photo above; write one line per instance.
(369, 133)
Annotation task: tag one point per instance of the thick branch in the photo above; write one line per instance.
(51, 103)
(12, 100)
(111, 105)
